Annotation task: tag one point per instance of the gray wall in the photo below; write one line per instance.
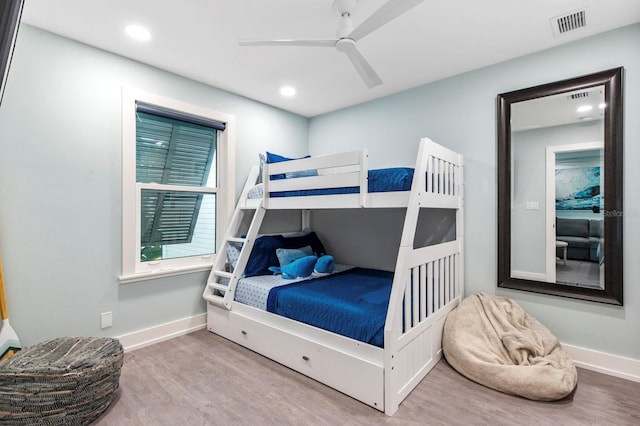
(460, 113)
(370, 238)
(60, 186)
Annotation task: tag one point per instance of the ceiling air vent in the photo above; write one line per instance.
(569, 22)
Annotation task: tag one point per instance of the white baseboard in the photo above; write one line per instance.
(149, 336)
(613, 365)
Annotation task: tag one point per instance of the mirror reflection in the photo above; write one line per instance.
(557, 200)
(560, 186)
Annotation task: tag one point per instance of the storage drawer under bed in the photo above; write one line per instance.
(354, 376)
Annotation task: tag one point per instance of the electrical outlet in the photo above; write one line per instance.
(106, 319)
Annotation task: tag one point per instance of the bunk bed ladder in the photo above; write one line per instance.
(224, 276)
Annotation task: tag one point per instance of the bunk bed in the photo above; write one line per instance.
(427, 283)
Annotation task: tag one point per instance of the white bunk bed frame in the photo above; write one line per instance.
(379, 377)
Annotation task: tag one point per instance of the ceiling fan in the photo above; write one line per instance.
(347, 36)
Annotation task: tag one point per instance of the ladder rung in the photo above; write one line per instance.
(246, 207)
(224, 274)
(217, 286)
(218, 300)
(236, 240)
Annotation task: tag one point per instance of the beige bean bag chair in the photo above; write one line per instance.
(493, 341)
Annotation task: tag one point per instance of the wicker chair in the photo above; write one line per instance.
(70, 380)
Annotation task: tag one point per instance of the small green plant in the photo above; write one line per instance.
(149, 253)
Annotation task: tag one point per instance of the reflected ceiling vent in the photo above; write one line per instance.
(578, 95)
(569, 22)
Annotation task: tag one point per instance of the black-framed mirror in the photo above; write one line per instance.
(560, 209)
(10, 13)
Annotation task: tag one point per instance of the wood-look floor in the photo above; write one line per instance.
(203, 379)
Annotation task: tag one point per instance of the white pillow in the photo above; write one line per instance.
(286, 256)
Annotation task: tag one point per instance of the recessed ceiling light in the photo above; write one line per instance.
(288, 91)
(584, 108)
(602, 105)
(137, 32)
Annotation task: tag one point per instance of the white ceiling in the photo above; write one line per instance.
(434, 40)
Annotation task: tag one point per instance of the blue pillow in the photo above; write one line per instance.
(286, 256)
(264, 254)
(275, 158)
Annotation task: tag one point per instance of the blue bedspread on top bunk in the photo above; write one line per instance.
(351, 303)
(380, 180)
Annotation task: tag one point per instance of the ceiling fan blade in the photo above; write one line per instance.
(371, 79)
(312, 43)
(387, 12)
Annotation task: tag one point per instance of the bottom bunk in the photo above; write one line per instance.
(346, 330)
(347, 365)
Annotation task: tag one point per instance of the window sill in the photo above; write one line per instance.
(162, 273)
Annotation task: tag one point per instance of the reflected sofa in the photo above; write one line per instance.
(584, 236)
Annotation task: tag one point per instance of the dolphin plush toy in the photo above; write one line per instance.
(305, 266)
(324, 265)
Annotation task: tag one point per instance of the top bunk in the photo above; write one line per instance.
(343, 180)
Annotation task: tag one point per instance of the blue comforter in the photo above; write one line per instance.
(351, 303)
(380, 180)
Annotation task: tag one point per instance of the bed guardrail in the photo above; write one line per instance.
(428, 286)
(346, 169)
(440, 181)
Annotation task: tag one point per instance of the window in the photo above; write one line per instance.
(177, 185)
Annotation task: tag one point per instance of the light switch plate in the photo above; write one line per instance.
(106, 319)
(532, 205)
